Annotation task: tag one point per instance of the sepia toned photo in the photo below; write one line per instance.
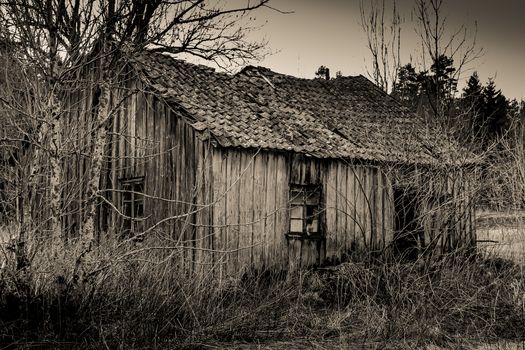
(262, 174)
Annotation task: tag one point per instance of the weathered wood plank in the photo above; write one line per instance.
(191, 190)
(259, 205)
(183, 187)
(314, 171)
(209, 202)
(306, 254)
(168, 171)
(341, 226)
(350, 207)
(232, 209)
(388, 205)
(295, 169)
(155, 116)
(379, 211)
(271, 174)
(132, 118)
(372, 192)
(177, 177)
(367, 207)
(200, 217)
(186, 192)
(114, 197)
(150, 171)
(360, 209)
(219, 165)
(246, 201)
(161, 128)
(141, 125)
(331, 210)
(282, 216)
(294, 247)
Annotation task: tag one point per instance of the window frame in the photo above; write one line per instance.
(310, 203)
(132, 205)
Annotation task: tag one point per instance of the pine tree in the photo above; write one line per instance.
(494, 112)
(473, 104)
(439, 87)
(514, 110)
(407, 87)
(521, 116)
(323, 72)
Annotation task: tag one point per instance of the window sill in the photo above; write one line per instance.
(304, 236)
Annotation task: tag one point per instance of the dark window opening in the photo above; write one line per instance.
(305, 201)
(408, 231)
(132, 206)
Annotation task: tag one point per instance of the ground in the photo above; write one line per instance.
(352, 306)
(502, 233)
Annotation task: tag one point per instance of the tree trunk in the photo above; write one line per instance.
(99, 139)
(47, 138)
(23, 218)
(55, 176)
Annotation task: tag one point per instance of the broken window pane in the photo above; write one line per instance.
(132, 206)
(296, 226)
(312, 227)
(297, 213)
(304, 209)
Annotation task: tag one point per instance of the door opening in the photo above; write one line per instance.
(408, 231)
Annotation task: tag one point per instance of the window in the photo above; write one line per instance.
(305, 210)
(408, 235)
(132, 205)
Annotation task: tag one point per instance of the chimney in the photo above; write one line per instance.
(327, 73)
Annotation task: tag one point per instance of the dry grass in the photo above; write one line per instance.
(503, 233)
(503, 346)
(147, 301)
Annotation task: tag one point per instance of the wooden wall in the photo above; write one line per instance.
(144, 140)
(449, 220)
(227, 209)
(249, 191)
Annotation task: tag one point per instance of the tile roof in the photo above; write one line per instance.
(346, 117)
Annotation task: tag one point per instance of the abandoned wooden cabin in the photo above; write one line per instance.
(265, 170)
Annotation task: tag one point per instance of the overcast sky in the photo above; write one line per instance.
(328, 33)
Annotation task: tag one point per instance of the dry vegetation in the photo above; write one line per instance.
(147, 301)
(141, 297)
(503, 234)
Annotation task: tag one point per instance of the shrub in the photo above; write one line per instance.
(147, 300)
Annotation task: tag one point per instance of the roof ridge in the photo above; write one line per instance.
(348, 117)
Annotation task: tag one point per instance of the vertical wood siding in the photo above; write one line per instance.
(250, 211)
(231, 205)
(449, 212)
(229, 208)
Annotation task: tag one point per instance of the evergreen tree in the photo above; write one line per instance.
(473, 104)
(495, 118)
(439, 87)
(428, 93)
(521, 116)
(322, 72)
(514, 110)
(407, 87)
(443, 76)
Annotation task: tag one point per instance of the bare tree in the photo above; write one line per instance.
(439, 44)
(383, 33)
(62, 39)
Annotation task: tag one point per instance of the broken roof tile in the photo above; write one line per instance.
(347, 117)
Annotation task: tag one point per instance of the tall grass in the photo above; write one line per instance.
(148, 301)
